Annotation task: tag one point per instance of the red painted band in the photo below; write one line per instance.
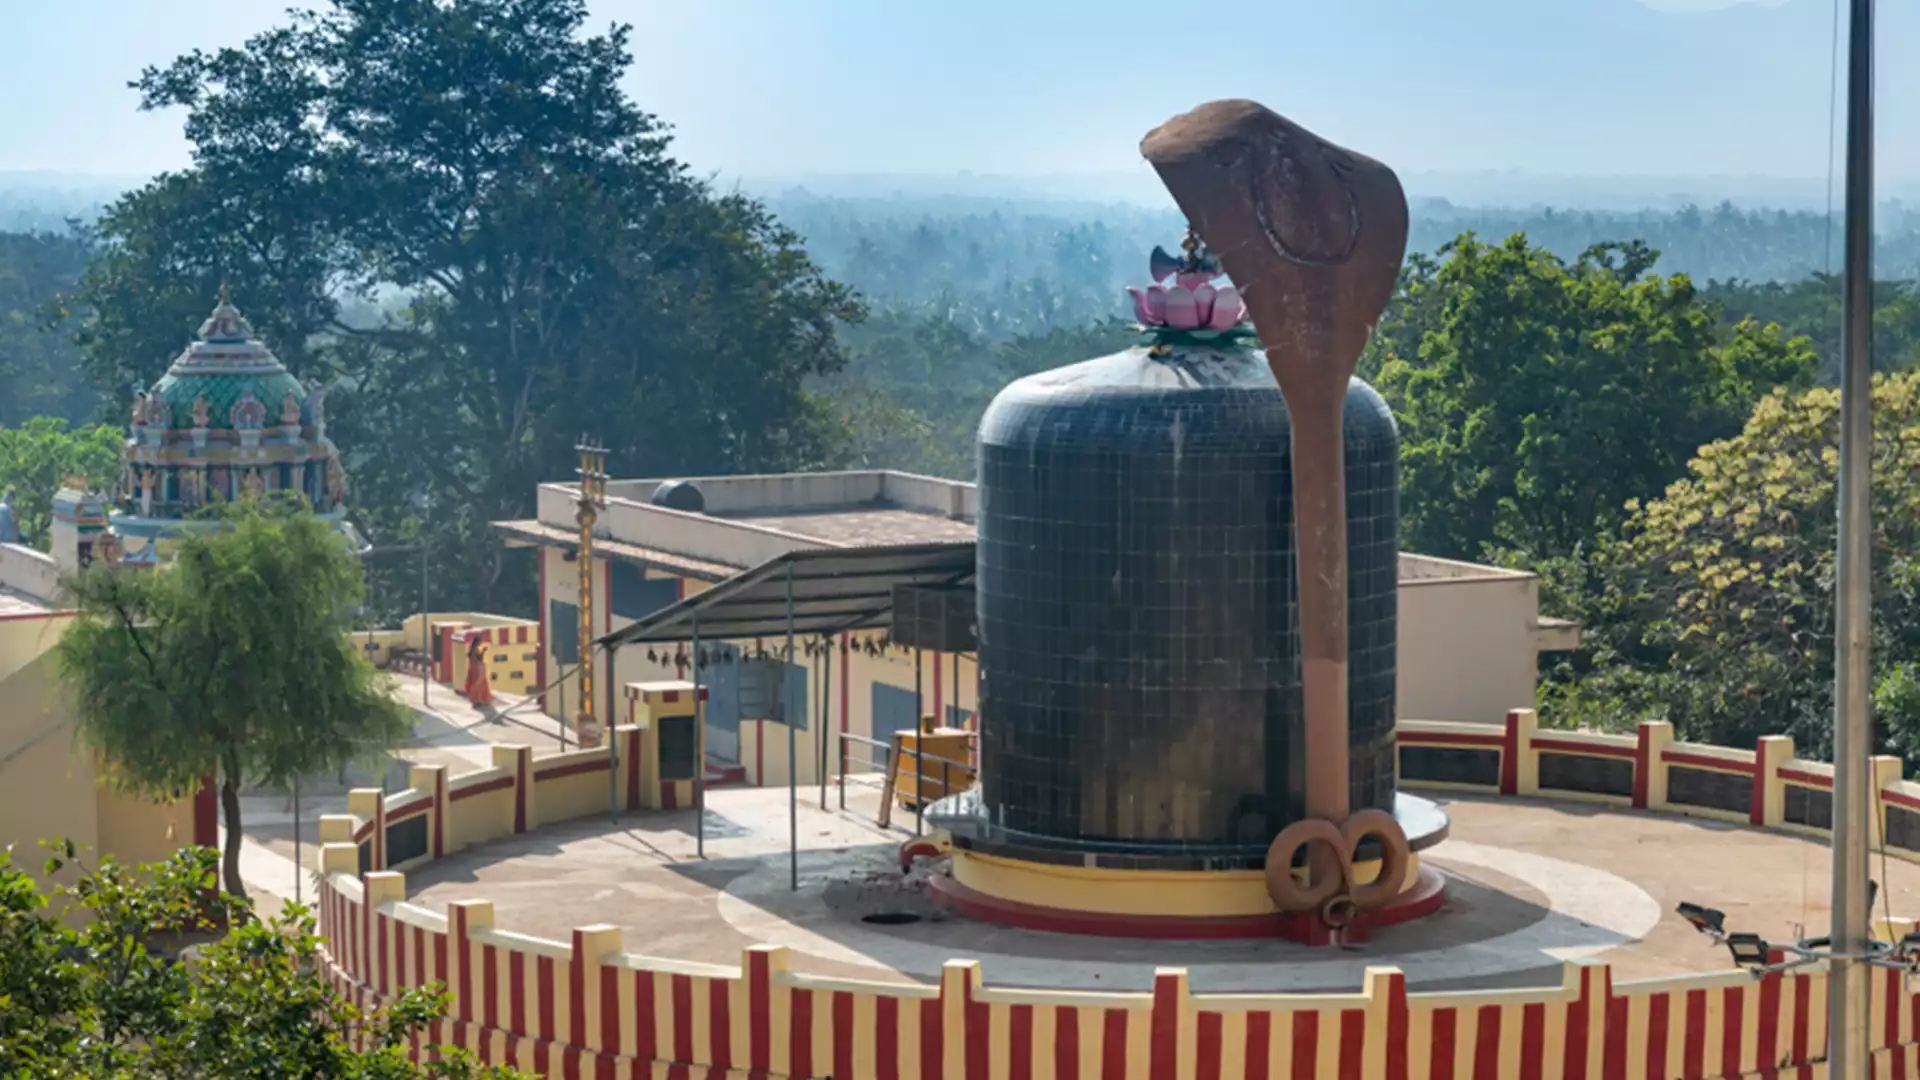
(578, 768)
(498, 783)
(1566, 746)
(1703, 761)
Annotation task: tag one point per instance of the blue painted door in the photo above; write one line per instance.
(720, 674)
(893, 710)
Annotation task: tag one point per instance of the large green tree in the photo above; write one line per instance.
(231, 660)
(1537, 396)
(40, 373)
(39, 455)
(150, 986)
(527, 260)
(1715, 608)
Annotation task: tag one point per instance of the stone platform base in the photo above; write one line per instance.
(1424, 896)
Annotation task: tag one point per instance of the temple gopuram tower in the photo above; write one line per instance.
(226, 420)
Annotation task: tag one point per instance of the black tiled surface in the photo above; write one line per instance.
(407, 839)
(1903, 828)
(1586, 772)
(1709, 788)
(1810, 806)
(1450, 765)
(1137, 605)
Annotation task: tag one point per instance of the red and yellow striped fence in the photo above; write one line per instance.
(587, 1009)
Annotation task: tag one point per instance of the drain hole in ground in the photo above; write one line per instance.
(890, 918)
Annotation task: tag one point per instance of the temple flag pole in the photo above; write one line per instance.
(1848, 1055)
(793, 753)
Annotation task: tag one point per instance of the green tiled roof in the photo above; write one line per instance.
(223, 391)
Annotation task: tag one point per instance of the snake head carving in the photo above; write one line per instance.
(1310, 232)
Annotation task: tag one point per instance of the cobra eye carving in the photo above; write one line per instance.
(1276, 167)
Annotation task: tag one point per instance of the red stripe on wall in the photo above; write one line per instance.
(645, 1041)
(1694, 1051)
(610, 1011)
(1020, 1044)
(1306, 1043)
(1533, 1035)
(682, 1018)
(800, 1039)
(206, 814)
(1577, 1014)
(1568, 746)
(490, 985)
(1658, 1010)
(1206, 1050)
(1643, 764)
(720, 1025)
(1353, 1042)
(1113, 1045)
(842, 1033)
(1445, 1021)
(1397, 1021)
(1707, 761)
(759, 1012)
(1510, 756)
(932, 1055)
(1259, 1044)
(1486, 1036)
(1164, 1034)
(1894, 981)
(1066, 1042)
(517, 990)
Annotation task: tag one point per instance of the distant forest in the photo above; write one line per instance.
(962, 295)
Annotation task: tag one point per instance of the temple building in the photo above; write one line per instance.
(225, 421)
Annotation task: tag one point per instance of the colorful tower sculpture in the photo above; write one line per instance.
(226, 421)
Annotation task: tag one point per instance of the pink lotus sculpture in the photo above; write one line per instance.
(1192, 303)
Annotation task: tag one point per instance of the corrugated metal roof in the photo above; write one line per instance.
(832, 589)
(534, 532)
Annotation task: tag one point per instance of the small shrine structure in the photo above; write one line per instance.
(226, 421)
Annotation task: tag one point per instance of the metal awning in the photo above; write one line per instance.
(834, 589)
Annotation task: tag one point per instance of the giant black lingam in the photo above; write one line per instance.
(1149, 650)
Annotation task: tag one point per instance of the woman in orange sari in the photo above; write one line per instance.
(479, 687)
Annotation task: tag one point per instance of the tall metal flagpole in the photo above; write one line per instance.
(1847, 1045)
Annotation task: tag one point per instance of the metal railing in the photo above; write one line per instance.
(890, 774)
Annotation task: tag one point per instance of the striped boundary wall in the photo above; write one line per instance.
(587, 1009)
(1767, 786)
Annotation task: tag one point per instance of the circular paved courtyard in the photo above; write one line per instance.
(1530, 885)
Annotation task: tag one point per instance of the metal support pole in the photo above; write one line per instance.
(826, 701)
(793, 752)
(957, 710)
(299, 867)
(1847, 1001)
(919, 706)
(700, 750)
(609, 653)
(426, 628)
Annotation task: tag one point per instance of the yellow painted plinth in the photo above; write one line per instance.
(1169, 893)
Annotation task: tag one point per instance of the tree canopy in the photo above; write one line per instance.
(1536, 396)
(231, 661)
(1715, 606)
(529, 262)
(37, 457)
(147, 986)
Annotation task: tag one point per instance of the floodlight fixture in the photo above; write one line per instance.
(1749, 950)
(1704, 919)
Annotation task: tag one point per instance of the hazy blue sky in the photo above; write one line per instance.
(794, 87)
